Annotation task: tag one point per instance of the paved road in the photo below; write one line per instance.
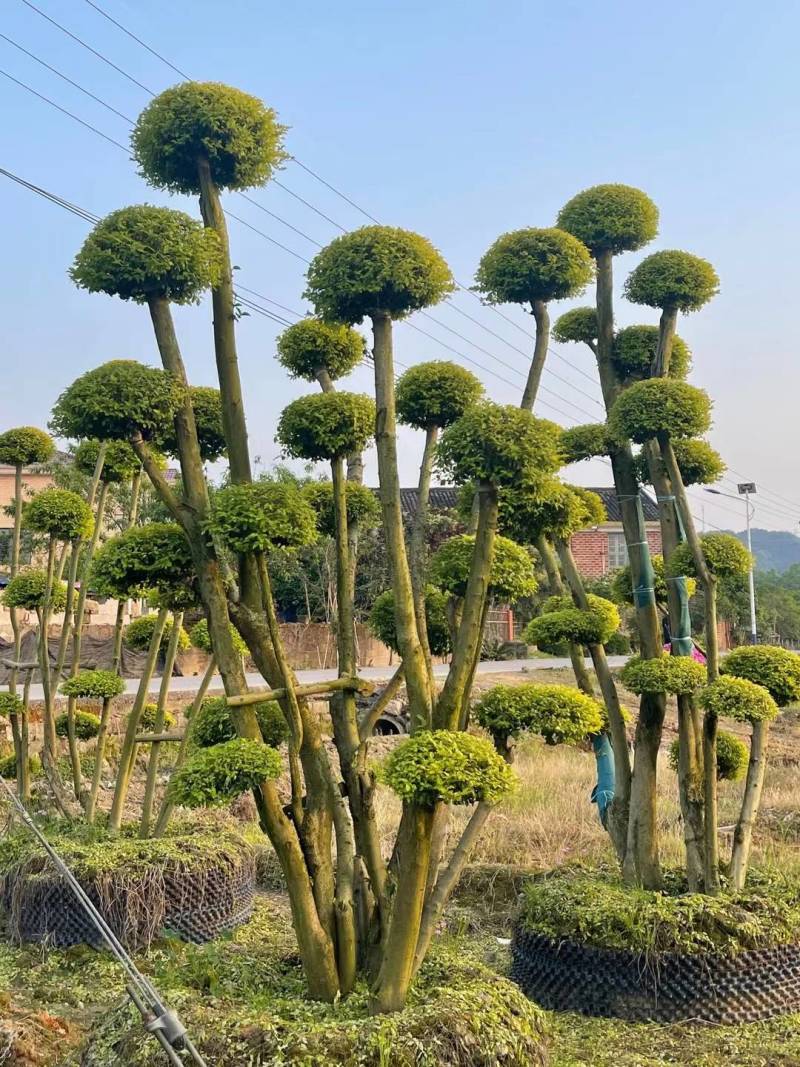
(255, 681)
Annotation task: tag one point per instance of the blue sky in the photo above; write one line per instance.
(459, 120)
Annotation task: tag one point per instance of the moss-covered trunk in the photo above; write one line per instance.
(751, 801)
(158, 727)
(542, 319)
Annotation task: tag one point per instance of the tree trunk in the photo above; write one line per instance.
(743, 834)
(222, 299)
(420, 697)
(417, 545)
(542, 319)
(158, 728)
(136, 486)
(666, 336)
(556, 585)
(99, 754)
(23, 775)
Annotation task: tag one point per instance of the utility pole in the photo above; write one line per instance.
(746, 490)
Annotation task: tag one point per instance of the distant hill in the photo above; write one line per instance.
(775, 550)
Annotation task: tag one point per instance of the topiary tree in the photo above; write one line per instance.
(363, 508)
(321, 351)
(212, 724)
(28, 590)
(732, 757)
(585, 442)
(200, 637)
(532, 267)
(139, 633)
(562, 621)
(579, 326)
(776, 669)
(511, 576)
(381, 620)
(673, 281)
(559, 713)
(666, 674)
(635, 351)
(699, 463)
(85, 726)
(215, 776)
(326, 426)
(60, 514)
(206, 405)
(117, 461)
(660, 406)
(610, 219)
(262, 516)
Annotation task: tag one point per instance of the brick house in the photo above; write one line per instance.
(598, 551)
(34, 479)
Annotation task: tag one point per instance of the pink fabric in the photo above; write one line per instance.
(696, 653)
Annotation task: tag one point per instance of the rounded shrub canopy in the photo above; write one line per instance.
(740, 699)
(116, 400)
(212, 723)
(260, 516)
(10, 704)
(25, 445)
(511, 576)
(326, 425)
(382, 622)
(143, 251)
(94, 685)
(725, 556)
(622, 586)
(238, 135)
(585, 442)
(139, 633)
(212, 777)
(87, 725)
(500, 444)
(207, 408)
(377, 270)
(610, 218)
(549, 508)
(435, 394)
(698, 462)
(559, 713)
(578, 325)
(120, 462)
(60, 513)
(635, 349)
(446, 766)
(533, 265)
(660, 405)
(29, 589)
(674, 280)
(312, 345)
(776, 669)
(199, 637)
(664, 674)
(145, 558)
(562, 621)
(732, 757)
(363, 508)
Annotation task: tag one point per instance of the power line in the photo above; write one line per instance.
(68, 80)
(138, 40)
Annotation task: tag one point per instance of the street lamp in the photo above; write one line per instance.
(746, 490)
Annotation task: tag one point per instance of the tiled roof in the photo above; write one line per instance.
(445, 497)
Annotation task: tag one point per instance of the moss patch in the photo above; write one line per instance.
(594, 909)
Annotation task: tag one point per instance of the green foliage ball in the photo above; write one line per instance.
(145, 558)
(95, 685)
(238, 135)
(28, 590)
(532, 265)
(725, 556)
(660, 406)
(732, 757)
(116, 400)
(737, 698)
(776, 669)
(635, 349)
(212, 777)
(435, 394)
(577, 325)
(25, 445)
(445, 766)
(148, 720)
(610, 218)
(511, 576)
(326, 425)
(562, 621)
(260, 516)
(10, 704)
(312, 345)
(212, 723)
(672, 279)
(561, 714)
(500, 444)
(549, 509)
(200, 638)
(622, 583)
(363, 507)
(59, 513)
(664, 674)
(381, 620)
(207, 408)
(143, 251)
(120, 462)
(139, 633)
(8, 766)
(698, 462)
(87, 725)
(377, 270)
(585, 442)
